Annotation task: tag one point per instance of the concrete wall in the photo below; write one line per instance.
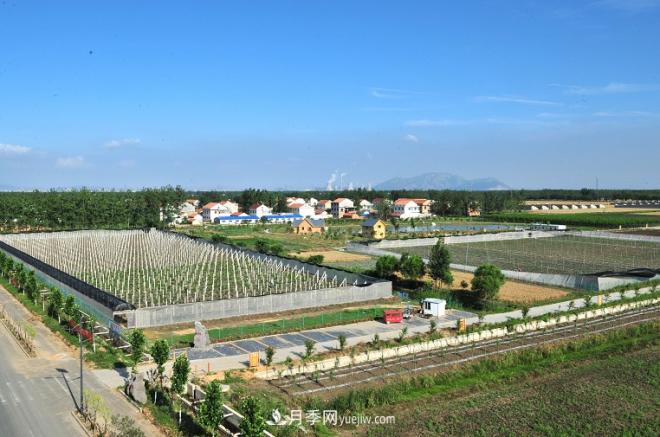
(188, 313)
(617, 236)
(517, 235)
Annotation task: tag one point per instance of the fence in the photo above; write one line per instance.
(104, 298)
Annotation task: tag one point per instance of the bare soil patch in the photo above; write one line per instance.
(333, 256)
(518, 292)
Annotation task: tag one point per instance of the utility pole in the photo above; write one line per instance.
(82, 398)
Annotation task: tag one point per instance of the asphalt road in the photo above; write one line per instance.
(37, 395)
(34, 399)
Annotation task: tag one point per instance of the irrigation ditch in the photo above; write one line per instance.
(327, 383)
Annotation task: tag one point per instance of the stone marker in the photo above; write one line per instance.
(201, 340)
(135, 388)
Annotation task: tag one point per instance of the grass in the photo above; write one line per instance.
(496, 373)
(605, 387)
(281, 326)
(563, 254)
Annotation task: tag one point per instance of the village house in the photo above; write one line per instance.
(424, 206)
(259, 209)
(374, 229)
(218, 209)
(340, 206)
(405, 208)
(324, 204)
(312, 202)
(303, 209)
(473, 212)
(365, 206)
(309, 226)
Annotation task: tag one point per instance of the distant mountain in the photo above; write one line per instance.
(441, 181)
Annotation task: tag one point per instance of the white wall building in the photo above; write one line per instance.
(260, 210)
(406, 208)
(303, 209)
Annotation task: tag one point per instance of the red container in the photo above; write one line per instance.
(393, 316)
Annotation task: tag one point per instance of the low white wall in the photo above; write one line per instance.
(218, 309)
(371, 356)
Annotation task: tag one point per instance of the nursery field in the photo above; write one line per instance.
(564, 254)
(154, 268)
(611, 395)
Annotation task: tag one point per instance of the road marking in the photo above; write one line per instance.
(13, 393)
(64, 389)
(46, 383)
(26, 390)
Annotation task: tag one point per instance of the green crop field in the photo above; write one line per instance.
(563, 254)
(611, 395)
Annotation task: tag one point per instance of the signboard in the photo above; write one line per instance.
(254, 359)
(461, 325)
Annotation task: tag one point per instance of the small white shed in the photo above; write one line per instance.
(433, 307)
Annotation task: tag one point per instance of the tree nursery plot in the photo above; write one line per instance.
(155, 268)
(564, 254)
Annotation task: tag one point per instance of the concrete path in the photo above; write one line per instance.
(37, 395)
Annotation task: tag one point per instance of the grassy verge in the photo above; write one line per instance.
(281, 326)
(104, 357)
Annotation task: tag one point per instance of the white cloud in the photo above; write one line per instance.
(515, 99)
(394, 93)
(70, 162)
(625, 114)
(116, 144)
(610, 88)
(434, 123)
(13, 149)
(411, 138)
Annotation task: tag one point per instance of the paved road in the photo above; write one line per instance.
(37, 395)
(34, 399)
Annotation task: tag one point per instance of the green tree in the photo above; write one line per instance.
(386, 266)
(270, 353)
(412, 267)
(180, 372)
(211, 411)
(439, 261)
(254, 422)
(138, 341)
(309, 348)
(315, 259)
(486, 282)
(160, 352)
(55, 301)
(342, 341)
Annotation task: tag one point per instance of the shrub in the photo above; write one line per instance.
(386, 266)
(486, 282)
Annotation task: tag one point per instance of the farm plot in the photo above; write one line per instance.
(564, 254)
(154, 268)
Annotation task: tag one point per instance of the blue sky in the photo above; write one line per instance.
(281, 94)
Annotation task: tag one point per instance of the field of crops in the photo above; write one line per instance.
(563, 254)
(592, 219)
(154, 268)
(611, 395)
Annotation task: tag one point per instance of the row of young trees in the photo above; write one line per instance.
(210, 413)
(86, 209)
(486, 282)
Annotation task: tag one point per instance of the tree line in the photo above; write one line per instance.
(87, 209)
